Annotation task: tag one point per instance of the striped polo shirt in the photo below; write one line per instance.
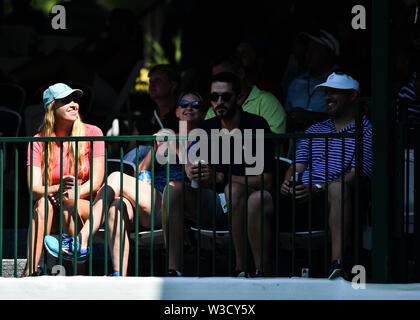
(335, 161)
(407, 97)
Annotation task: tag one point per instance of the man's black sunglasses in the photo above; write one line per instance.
(226, 96)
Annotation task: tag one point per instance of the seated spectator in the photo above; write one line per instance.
(225, 91)
(296, 61)
(408, 96)
(164, 82)
(252, 51)
(252, 99)
(61, 119)
(305, 105)
(407, 83)
(341, 92)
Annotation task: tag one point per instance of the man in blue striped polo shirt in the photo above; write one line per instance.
(407, 96)
(341, 92)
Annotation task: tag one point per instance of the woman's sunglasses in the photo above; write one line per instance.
(193, 104)
(226, 96)
(68, 99)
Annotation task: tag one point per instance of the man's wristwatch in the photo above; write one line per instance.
(318, 186)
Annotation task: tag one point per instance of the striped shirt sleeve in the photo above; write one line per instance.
(367, 151)
(302, 152)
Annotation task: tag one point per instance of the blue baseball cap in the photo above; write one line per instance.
(59, 91)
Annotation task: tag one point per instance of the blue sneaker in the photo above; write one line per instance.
(115, 274)
(52, 246)
(68, 249)
(174, 273)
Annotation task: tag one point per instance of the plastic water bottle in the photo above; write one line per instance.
(296, 182)
(305, 273)
(146, 176)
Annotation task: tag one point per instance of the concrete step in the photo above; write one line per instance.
(8, 268)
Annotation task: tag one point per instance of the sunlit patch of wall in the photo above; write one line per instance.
(142, 82)
(44, 5)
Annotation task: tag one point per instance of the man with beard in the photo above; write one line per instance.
(252, 98)
(241, 191)
(341, 92)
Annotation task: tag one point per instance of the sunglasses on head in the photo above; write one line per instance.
(226, 96)
(193, 104)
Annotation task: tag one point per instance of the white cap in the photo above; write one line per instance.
(340, 81)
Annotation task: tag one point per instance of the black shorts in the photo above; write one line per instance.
(319, 212)
(302, 214)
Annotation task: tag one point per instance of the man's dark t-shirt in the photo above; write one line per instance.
(247, 121)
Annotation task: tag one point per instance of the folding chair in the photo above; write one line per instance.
(33, 115)
(145, 238)
(10, 122)
(12, 96)
(115, 165)
(221, 237)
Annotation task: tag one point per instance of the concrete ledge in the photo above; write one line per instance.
(217, 288)
(8, 268)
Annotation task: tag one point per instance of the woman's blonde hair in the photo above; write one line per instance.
(47, 129)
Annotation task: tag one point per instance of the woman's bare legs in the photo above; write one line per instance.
(35, 244)
(113, 191)
(38, 225)
(115, 231)
(68, 215)
(128, 222)
(69, 225)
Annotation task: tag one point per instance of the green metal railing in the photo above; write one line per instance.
(200, 252)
